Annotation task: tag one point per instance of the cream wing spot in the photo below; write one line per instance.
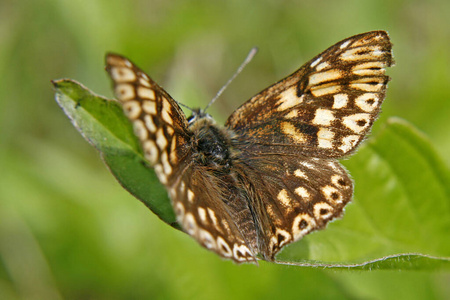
(300, 173)
(207, 239)
(150, 151)
(241, 252)
(284, 198)
(173, 154)
(190, 196)
(139, 130)
(332, 194)
(290, 130)
(165, 112)
(308, 165)
(169, 130)
(143, 81)
(288, 99)
(368, 102)
(146, 93)
(373, 68)
(303, 224)
(340, 101)
(339, 181)
(149, 107)
(202, 214)
(367, 87)
(124, 92)
(314, 63)
(325, 138)
(377, 52)
(323, 117)
(292, 114)
(345, 44)
(212, 216)
(322, 211)
(161, 140)
(120, 74)
(322, 66)
(348, 143)
(303, 192)
(361, 53)
(165, 162)
(223, 247)
(189, 224)
(159, 172)
(325, 76)
(357, 122)
(132, 109)
(145, 77)
(116, 61)
(150, 124)
(282, 237)
(320, 90)
(179, 211)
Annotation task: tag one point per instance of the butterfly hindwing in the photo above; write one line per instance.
(207, 207)
(295, 195)
(327, 107)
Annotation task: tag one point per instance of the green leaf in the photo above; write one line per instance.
(400, 215)
(399, 218)
(413, 262)
(103, 124)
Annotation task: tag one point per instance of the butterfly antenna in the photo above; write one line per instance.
(249, 57)
(184, 105)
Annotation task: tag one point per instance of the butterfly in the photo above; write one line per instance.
(270, 175)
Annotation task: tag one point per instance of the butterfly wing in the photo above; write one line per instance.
(326, 107)
(207, 207)
(158, 121)
(290, 134)
(205, 204)
(294, 195)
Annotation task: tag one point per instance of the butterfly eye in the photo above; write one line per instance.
(191, 119)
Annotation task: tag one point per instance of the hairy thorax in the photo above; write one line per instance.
(211, 145)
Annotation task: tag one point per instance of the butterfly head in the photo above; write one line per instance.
(199, 114)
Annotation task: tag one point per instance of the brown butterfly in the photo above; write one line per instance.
(270, 175)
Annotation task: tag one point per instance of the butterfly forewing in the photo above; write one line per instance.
(271, 175)
(326, 107)
(157, 119)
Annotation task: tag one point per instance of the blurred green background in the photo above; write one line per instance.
(69, 231)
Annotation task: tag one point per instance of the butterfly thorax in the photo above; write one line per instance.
(211, 145)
